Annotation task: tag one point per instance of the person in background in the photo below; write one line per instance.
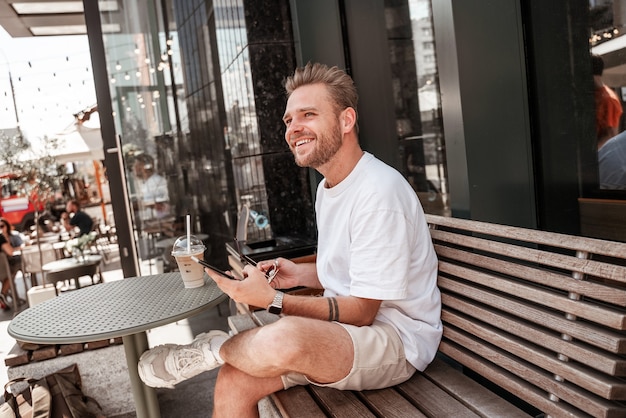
(154, 194)
(73, 217)
(612, 163)
(379, 318)
(608, 105)
(10, 241)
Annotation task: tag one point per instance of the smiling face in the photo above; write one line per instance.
(313, 129)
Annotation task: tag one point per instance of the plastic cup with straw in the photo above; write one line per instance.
(184, 248)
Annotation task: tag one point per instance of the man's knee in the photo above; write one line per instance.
(274, 345)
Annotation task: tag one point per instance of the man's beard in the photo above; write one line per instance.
(326, 146)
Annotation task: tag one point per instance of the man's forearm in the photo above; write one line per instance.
(346, 309)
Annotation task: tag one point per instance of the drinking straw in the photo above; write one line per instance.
(188, 233)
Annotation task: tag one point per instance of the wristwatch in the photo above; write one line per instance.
(276, 307)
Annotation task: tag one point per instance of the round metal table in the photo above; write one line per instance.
(124, 308)
(70, 268)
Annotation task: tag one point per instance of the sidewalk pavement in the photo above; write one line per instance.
(190, 399)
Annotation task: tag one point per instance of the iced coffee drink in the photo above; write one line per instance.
(191, 272)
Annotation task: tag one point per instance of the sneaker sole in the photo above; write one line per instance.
(146, 372)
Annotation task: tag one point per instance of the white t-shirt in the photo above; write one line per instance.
(154, 191)
(612, 163)
(373, 242)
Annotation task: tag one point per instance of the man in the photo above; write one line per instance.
(379, 319)
(73, 217)
(154, 194)
(608, 105)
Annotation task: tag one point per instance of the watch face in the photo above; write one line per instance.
(277, 304)
(274, 309)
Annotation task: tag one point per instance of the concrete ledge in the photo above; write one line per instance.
(104, 374)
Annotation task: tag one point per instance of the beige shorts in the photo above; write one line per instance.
(379, 360)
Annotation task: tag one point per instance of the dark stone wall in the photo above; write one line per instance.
(236, 60)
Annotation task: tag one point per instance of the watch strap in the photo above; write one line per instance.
(276, 307)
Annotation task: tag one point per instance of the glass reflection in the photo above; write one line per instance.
(607, 27)
(144, 67)
(419, 123)
(242, 131)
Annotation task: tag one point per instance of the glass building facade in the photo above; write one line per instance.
(487, 109)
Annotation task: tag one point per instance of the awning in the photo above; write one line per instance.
(72, 147)
(82, 140)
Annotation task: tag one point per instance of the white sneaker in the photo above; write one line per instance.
(166, 365)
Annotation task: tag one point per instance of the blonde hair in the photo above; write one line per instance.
(340, 85)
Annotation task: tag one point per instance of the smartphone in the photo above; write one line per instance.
(215, 269)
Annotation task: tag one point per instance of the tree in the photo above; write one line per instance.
(37, 168)
(11, 148)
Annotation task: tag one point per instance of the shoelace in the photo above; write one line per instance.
(188, 359)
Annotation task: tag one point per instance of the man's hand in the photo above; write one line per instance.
(252, 290)
(290, 274)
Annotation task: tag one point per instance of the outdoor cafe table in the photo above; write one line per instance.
(125, 308)
(70, 268)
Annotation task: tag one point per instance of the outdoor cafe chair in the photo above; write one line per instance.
(5, 272)
(32, 263)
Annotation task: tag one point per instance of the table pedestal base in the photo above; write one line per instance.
(146, 402)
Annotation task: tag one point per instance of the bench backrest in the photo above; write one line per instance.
(542, 315)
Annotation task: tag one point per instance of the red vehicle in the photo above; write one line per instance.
(14, 204)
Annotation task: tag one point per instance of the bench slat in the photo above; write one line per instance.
(531, 255)
(296, 402)
(598, 359)
(471, 393)
(389, 403)
(591, 245)
(600, 314)
(602, 292)
(340, 403)
(536, 378)
(263, 317)
(601, 384)
(511, 383)
(239, 323)
(433, 401)
(594, 335)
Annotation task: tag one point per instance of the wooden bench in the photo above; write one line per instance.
(537, 318)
